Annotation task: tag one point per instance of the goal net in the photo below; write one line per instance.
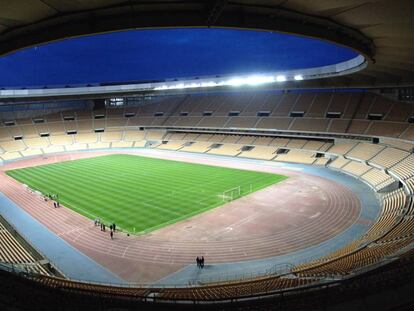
(231, 194)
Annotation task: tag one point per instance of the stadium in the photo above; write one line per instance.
(213, 155)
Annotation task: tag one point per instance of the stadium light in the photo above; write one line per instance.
(298, 77)
(280, 78)
(208, 84)
(250, 80)
(236, 81)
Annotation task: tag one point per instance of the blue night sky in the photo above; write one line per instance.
(164, 54)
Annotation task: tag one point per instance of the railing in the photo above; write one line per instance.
(28, 241)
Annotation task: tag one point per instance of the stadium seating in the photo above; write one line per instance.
(377, 178)
(111, 136)
(296, 143)
(13, 145)
(279, 142)
(11, 156)
(38, 142)
(322, 161)
(378, 164)
(260, 152)
(341, 148)
(339, 162)
(388, 157)
(154, 135)
(61, 140)
(297, 156)
(364, 151)
(31, 152)
(355, 168)
(199, 146)
(13, 252)
(227, 149)
(84, 138)
(134, 135)
(171, 145)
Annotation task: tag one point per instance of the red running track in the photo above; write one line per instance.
(302, 211)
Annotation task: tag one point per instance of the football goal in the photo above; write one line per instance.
(231, 194)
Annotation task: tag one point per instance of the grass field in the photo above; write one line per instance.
(140, 194)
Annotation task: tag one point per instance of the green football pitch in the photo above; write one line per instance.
(141, 194)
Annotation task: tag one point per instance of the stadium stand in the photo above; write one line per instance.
(260, 152)
(339, 162)
(16, 252)
(380, 165)
(364, 151)
(84, 138)
(355, 168)
(171, 145)
(388, 157)
(227, 149)
(404, 169)
(61, 140)
(297, 156)
(200, 146)
(13, 145)
(154, 135)
(377, 178)
(111, 136)
(134, 135)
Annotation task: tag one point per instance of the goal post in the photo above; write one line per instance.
(231, 194)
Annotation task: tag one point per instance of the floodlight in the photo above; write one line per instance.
(280, 78)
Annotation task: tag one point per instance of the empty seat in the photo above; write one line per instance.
(297, 156)
(364, 151)
(227, 149)
(84, 138)
(260, 152)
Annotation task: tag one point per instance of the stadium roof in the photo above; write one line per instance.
(188, 55)
(380, 30)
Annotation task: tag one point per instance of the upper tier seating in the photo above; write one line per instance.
(313, 145)
(296, 143)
